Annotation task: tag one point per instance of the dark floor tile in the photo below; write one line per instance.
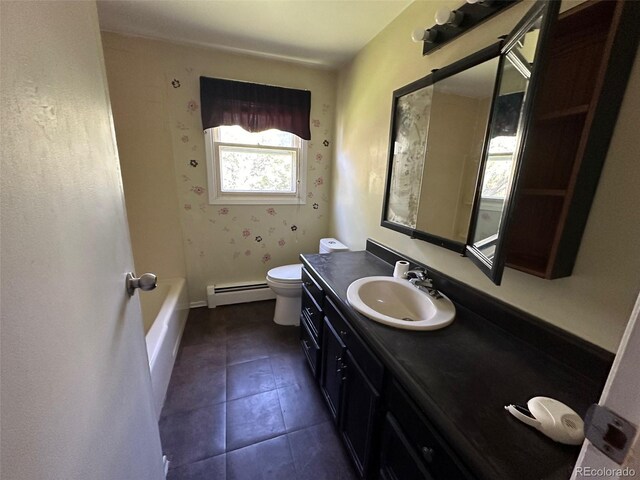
(227, 353)
(246, 329)
(201, 314)
(245, 349)
(268, 460)
(206, 331)
(242, 327)
(254, 313)
(213, 468)
(252, 419)
(281, 339)
(195, 435)
(195, 385)
(319, 455)
(302, 406)
(249, 378)
(292, 368)
(213, 354)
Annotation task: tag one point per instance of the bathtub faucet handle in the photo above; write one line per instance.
(146, 281)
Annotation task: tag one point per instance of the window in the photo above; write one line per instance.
(266, 167)
(497, 176)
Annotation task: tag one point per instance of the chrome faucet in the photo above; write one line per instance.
(418, 278)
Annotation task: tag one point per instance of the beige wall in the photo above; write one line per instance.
(456, 135)
(141, 117)
(595, 302)
(155, 90)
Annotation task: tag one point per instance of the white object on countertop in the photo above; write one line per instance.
(553, 418)
(401, 269)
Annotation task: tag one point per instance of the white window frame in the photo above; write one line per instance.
(218, 197)
(498, 201)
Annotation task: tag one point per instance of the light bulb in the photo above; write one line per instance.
(444, 16)
(424, 35)
(418, 35)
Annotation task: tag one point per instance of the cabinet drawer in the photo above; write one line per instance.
(312, 313)
(313, 288)
(398, 459)
(309, 346)
(370, 365)
(428, 445)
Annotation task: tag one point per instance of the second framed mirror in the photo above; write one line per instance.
(438, 128)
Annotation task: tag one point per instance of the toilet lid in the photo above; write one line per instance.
(286, 273)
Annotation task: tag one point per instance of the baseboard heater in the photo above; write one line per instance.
(229, 293)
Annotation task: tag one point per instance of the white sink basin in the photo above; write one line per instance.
(397, 303)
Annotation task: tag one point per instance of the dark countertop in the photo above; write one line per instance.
(462, 376)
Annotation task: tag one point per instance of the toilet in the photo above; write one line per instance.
(286, 283)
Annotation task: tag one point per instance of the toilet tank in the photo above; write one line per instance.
(328, 245)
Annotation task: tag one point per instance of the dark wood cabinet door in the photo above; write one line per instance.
(359, 416)
(398, 460)
(333, 352)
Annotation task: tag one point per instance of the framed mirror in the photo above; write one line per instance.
(520, 64)
(438, 128)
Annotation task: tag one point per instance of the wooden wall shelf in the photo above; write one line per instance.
(592, 48)
(563, 112)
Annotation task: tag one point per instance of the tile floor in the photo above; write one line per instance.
(243, 405)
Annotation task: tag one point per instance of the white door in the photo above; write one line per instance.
(76, 392)
(621, 394)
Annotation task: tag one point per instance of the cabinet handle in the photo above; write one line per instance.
(343, 333)
(308, 284)
(427, 454)
(306, 344)
(340, 367)
(308, 312)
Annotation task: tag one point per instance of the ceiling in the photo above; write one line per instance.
(324, 33)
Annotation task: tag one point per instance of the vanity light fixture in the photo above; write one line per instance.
(428, 35)
(446, 16)
(451, 24)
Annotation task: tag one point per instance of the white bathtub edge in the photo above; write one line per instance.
(164, 337)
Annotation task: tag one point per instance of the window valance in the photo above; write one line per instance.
(254, 107)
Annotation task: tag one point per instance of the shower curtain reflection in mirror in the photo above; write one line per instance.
(411, 120)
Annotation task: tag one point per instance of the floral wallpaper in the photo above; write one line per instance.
(238, 243)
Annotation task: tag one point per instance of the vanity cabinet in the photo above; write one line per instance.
(351, 379)
(359, 425)
(331, 375)
(411, 447)
(398, 459)
(429, 405)
(311, 322)
(591, 51)
(310, 346)
(389, 439)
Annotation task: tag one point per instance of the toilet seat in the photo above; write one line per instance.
(287, 274)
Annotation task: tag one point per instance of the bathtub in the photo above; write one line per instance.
(164, 312)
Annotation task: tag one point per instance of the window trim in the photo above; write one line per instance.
(218, 197)
(499, 157)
